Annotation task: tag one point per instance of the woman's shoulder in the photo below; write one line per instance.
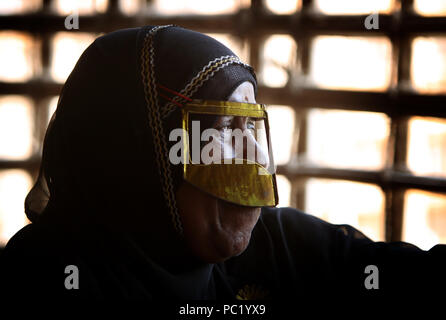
(291, 223)
(39, 258)
(284, 215)
(32, 239)
(29, 260)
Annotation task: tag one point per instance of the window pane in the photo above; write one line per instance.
(283, 6)
(281, 121)
(16, 128)
(343, 202)
(354, 6)
(52, 105)
(67, 48)
(19, 6)
(17, 54)
(430, 7)
(424, 222)
(82, 7)
(347, 139)
(239, 47)
(427, 146)
(428, 66)
(284, 190)
(180, 7)
(354, 63)
(14, 185)
(278, 60)
(130, 7)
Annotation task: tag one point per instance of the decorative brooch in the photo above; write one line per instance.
(252, 292)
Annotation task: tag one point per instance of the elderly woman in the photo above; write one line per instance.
(122, 200)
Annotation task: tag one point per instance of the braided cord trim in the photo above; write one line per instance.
(154, 117)
(202, 76)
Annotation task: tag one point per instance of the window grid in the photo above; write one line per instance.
(254, 25)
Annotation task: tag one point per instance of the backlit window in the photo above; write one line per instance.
(347, 7)
(16, 128)
(17, 56)
(354, 63)
(67, 48)
(14, 185)
(427, 146)
(429, 64)
(347, 139)
(279, 57)
(430, 7)
(343, 202)
(424, 219)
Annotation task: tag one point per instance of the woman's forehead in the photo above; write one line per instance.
(243, 93)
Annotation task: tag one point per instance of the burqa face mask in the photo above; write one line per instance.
(232, 159)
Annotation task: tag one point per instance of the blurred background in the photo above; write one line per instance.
(358, 116)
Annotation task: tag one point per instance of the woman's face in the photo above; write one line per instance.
(216, 230)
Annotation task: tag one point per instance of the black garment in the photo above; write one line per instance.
(291, 255)
(104, 198)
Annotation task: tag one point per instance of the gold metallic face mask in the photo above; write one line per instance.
(227, 153)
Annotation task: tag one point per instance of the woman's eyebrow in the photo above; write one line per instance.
(223, 119)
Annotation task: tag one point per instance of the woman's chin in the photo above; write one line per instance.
(232, 231)
(228, 246)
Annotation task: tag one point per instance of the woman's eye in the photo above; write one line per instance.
(223, 127)
(251, 126)
(224, 123)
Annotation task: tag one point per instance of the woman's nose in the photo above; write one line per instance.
(253, 151)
